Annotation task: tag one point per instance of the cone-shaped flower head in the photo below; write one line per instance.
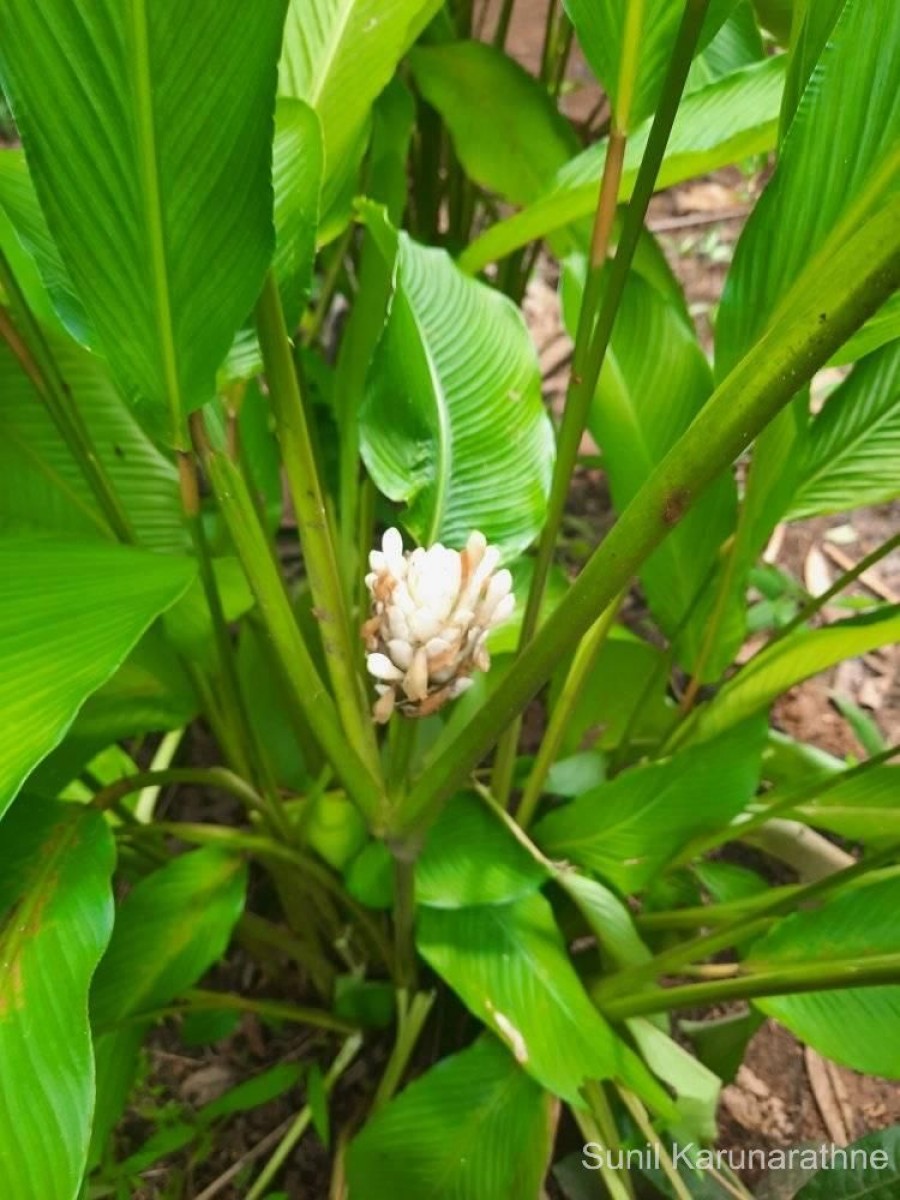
(431, 613)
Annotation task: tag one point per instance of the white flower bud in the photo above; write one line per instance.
(431, 613)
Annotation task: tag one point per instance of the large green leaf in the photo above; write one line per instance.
(508, 963)
(839, 164)
(525, 142)
(726, 121)
(338, 56)
(69, 614)
(629, 828)
(473, 1127)
(56, 916)
(629, 47)
(471, 857)
(643, 403)
(152, 162)
(452, 422)
(866, 1170)
(789, 661)
(171, 928)
(853, 1026)
(42, 487)
(852, 447)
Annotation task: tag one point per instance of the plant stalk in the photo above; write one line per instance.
(580, 671)
(320, 557)
(305, 687)
(872, 971)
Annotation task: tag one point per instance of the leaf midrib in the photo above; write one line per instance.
(151, 197)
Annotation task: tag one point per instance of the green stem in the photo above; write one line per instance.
(214, 777)
(404, 917)
(614, 1181)
(305, 687)
(411, 1018)
(502, 30)
(580, 671)
(594, 335)
(639, 1115)
(595, 327)
(26, 339)
(747, 399)
(320, 557)
(872, 971)
(303, 1120)
(668, 962)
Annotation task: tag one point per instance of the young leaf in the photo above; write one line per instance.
(56, 916)
(737, 44)
(629, 828)
(474, 1127)
(170, 929)
(853, 1026)
(471, 857)
(853, 446)
(338, 56)
(727, 120)
(643, 403)
(509, 965)
(42, 487)
(453, 424)
(526, 140)
(69, 614)
(790, 661)
(152, 164)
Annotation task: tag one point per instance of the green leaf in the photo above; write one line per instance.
(453, 423)
(57, 912)
(788, 662)
(171, 928)
(41, 485)
(471, 857)
(338, 56)
(152, 164)
(629, 828)
(526, 140)
(642, 405)
(19, 201)
(508, 964)
(629, 48)
(862, 807)
(872, 1170)
(473, 1127)
(695, 1086)
(730, 119)
(69, 614)
(852, 448)
(851, 116)
(814, 26)
(608, 918)
(853, 1026)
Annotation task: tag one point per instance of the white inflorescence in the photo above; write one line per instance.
(431, 613)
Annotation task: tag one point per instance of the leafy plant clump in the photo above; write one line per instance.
(284, 558)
